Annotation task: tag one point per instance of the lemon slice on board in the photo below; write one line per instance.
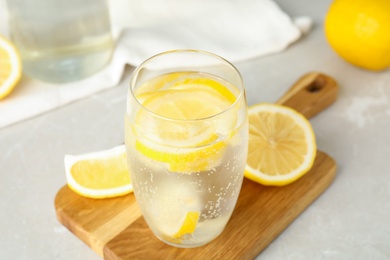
(10, 67)
(102, 174)
(282, 145)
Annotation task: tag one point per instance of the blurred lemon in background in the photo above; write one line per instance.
(359, 31)
(10, 67)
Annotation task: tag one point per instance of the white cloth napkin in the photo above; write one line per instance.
(236, 30)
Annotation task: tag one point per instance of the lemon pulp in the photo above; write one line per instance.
(282, 145)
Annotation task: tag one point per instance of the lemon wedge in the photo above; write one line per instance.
(282, 145)
(102, 174)
(189, 224)
(176, 211)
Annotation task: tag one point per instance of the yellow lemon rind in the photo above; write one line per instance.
(201, 159)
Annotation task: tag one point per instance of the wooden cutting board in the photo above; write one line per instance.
(115, 229)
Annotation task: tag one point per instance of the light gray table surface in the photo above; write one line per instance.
(350, 220)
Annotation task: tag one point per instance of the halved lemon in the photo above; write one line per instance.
(102, 174)
(10, 67)
(282, 145)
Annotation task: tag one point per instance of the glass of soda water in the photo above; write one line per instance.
(186, 134)
(63, 40)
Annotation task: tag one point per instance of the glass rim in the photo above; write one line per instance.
(140, 66)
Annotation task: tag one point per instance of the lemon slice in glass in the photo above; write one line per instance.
(175, 127)
(189, 224)
(178, 211)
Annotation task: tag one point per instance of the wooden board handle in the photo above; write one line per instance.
(311, 94)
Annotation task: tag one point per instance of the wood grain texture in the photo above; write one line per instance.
(95, 222)
(115, 228)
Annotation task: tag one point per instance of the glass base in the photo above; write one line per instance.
(187, 242)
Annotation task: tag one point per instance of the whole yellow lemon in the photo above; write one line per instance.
(359, 31)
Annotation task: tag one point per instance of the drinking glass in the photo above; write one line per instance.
(186, 134)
